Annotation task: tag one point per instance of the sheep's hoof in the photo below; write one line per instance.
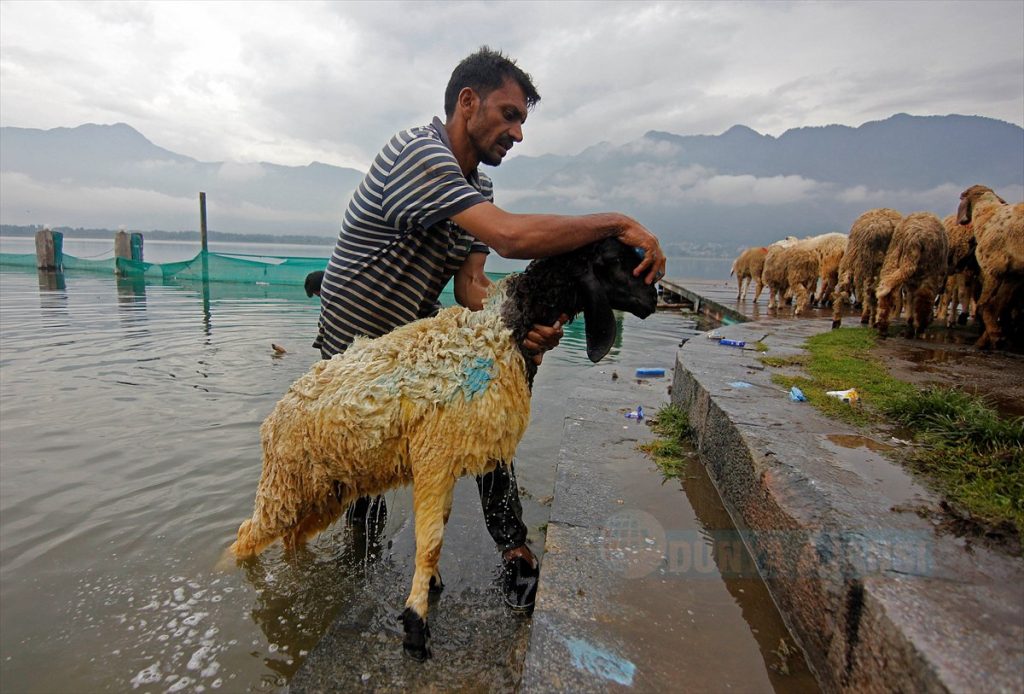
(961, 319)
(864, 320)
(836, 324)
(436, 584)
(416, 643)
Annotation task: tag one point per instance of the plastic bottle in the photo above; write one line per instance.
(732, 343)
(650, 372)
(638, 415)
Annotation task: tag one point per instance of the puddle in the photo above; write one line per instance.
(695, 594)
(863, 456)
(858, 441)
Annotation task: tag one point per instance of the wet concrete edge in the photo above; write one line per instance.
(877, 599)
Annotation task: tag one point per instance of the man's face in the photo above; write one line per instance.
(497, 123)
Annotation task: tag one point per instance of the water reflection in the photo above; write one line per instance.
(785, 664)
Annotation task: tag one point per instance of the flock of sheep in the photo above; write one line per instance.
(969, 264)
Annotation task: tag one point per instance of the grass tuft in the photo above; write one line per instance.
(668, 452)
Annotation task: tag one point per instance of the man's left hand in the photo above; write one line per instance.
(542, 338)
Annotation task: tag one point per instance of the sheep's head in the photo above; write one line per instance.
(969, 200)
(595, 280)
(604, 281)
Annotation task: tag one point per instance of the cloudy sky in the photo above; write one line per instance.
(295, 82)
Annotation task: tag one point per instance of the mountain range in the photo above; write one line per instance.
(728, 190)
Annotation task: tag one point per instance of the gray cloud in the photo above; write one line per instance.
(293, 83)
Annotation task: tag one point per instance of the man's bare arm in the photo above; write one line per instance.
(541, 235)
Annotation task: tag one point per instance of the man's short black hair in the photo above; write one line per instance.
(483, 72)
(313, 281)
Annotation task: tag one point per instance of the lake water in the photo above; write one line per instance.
(129, 453)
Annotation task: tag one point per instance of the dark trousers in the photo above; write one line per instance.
(499, 498)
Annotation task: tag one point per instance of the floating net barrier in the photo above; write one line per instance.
(206, 266)
(238, 268)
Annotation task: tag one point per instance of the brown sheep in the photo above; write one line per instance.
(862, 261)
(829, 249)
(963, 282)
(999, 235)
(748, 266)
(916, 265)
(791, 269)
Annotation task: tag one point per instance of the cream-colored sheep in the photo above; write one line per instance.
(962, 281)
(859, 269)
(429, 402)
(748, 267)
(791, 269)
(915, 264)
(999, 236)
(829, 248)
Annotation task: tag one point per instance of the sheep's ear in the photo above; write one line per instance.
(597, 316)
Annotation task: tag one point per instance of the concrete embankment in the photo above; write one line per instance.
(877, 595)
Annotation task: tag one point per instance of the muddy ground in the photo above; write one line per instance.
(946, 356)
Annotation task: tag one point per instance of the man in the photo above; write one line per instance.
(424, 214)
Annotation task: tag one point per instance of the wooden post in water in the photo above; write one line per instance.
(122, 248)
(202, 221)
(49, 250)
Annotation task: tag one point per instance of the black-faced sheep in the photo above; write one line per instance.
(429, 402)
(748, 267)
(862, 262)
(999, 237)
(915, 264)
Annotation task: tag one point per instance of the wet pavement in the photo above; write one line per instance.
(880, 596)
(647, 585)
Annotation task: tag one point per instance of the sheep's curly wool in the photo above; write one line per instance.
(791, 269)
(748, 267)
(916, 264)
(427, 395)
(999, 231)
(862, 262)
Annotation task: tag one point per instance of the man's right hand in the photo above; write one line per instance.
(653, 263)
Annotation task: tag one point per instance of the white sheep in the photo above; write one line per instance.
(999, 235)
(748, 267)
(791, 269)
(915, 264)
(862, 263)
(429, 402)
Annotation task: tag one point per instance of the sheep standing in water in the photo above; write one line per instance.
(829, 249)
(915, 264)
(999, 235)
(431, 401)
(963, 274)
(862, 262)
(748, 267)
(791, 270)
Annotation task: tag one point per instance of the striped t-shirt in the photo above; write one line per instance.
(398, 247)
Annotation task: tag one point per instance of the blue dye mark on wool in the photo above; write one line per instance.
(601, 662)
(476, 377)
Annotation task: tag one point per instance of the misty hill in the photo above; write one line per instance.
(742, 187)
(732, 189)
(116, 177)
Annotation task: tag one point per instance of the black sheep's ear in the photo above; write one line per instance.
(598, 318)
